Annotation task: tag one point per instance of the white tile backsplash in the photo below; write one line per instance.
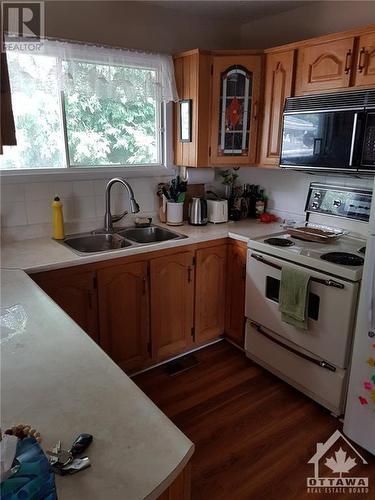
(38, 211)
(13, 213)
(36, 191)
(26, 207)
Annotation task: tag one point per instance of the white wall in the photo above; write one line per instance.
(287, 190)
(315, 19)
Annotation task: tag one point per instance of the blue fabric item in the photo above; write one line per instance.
(33, 480)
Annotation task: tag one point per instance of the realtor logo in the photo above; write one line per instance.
(332, 460)
(23, 25)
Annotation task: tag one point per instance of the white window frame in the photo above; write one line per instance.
(69, 172)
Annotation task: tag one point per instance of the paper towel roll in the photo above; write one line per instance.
(200, 175)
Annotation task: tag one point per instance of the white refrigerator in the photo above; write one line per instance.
(359, 422)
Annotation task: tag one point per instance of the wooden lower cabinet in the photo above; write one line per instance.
(172, 304)
(235, 293)
(123, 294)
(180, 489)
(145, 311)
(75, 292)
(210, 275)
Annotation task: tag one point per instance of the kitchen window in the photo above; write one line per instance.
(86, 106)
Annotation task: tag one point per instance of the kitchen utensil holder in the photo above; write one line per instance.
(175, 213)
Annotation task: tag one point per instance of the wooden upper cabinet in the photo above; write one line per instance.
(193, 81)
(210, 292)
(365, 68)
(235, 298)
(325, 66)
(235, 109)
(76, 293)
(123, 293)
(172, 304)
(278, 85)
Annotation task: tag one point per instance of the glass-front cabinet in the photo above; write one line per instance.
(234, 111)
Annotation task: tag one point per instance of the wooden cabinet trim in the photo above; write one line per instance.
(125, 259)
(323, 39)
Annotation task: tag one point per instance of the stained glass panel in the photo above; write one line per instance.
(235, 111)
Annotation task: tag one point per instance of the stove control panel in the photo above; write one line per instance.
(339, 201)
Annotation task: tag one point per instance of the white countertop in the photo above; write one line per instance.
(44, 254)
(55, 378)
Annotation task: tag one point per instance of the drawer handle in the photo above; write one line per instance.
(348, 61)
(362, 60)
(319, 362)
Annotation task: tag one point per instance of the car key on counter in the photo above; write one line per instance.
(66, 462)
(80, 443)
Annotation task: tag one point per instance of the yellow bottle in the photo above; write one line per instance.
(57, 219)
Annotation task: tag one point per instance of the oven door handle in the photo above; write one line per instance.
(319, 362)
(328, 282)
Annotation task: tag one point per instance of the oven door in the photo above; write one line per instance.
(331, 310)
(328, 140)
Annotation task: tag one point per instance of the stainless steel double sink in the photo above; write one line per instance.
(133, 236)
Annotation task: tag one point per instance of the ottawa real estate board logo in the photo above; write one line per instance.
(333, 463)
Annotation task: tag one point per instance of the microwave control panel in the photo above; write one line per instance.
(339, 201)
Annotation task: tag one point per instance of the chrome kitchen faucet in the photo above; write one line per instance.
(109, 219)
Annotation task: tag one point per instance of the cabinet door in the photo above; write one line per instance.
(210, 278)
(365, 70)
(124, 314)
(235, 106)
(192, 72)
(236, 280)
(172, 296)
(278, 86)
(76, 293)
(326, 66)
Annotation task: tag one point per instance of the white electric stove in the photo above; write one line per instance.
(315, 360)
(310, 254)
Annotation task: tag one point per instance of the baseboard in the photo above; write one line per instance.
(176, 357)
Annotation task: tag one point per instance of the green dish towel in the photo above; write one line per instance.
(294, 295)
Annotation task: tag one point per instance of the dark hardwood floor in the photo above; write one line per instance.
(253, 433)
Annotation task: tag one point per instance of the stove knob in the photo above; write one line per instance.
(371, 334)
(337, 203)
(317, 196)
(315, 204)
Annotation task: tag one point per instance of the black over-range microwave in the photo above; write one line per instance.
(330, 132)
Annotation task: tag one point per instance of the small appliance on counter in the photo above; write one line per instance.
(217, 211)
(198, 212)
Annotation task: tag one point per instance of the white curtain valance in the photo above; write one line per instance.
(105, 72)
